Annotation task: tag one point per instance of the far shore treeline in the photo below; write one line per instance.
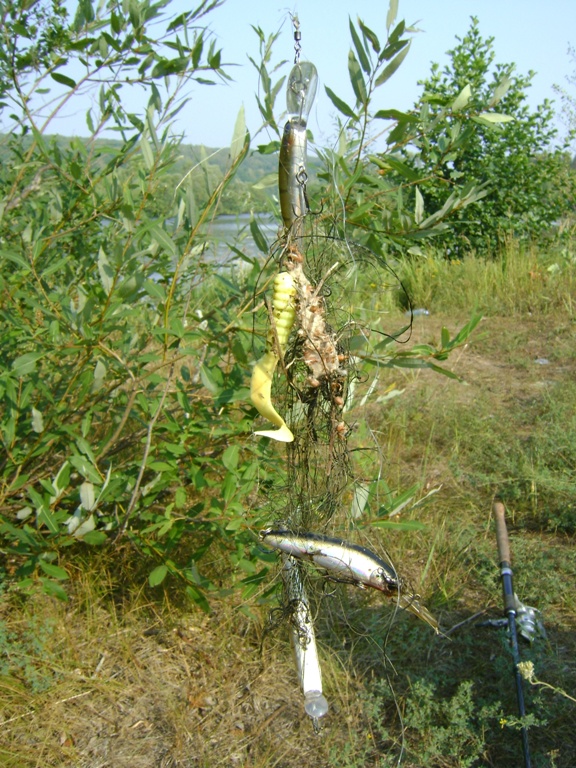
(252, 189)
(210, 165)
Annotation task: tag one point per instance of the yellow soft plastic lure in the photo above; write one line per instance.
(284, 312)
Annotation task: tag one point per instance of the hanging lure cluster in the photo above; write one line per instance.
(299, 305)
(295, 298)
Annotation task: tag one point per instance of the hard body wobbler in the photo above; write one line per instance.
(345, 561)
(348, 562)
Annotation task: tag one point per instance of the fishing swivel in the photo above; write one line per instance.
(297, 38)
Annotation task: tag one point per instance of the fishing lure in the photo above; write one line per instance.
(292, 173)
(300, 92)
(304, 640)
(347, 562)
(284, 312)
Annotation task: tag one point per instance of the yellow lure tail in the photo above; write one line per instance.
(284, 312)
(260, 394)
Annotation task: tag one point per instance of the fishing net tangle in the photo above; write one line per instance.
(313, 325)
(319, 371)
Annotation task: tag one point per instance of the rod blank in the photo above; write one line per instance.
(510, 613)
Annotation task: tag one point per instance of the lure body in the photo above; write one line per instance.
(304, 640)
(348, 562)
(292, 173)
(284, 312)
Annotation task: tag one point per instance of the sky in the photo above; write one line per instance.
(533, 34)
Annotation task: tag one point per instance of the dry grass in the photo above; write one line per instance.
(518, 280)
(127, 676)
(137, 683)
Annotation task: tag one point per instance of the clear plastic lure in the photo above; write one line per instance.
(292, 173)
(304, 641)
(302, 84)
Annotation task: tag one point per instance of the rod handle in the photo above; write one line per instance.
(501, 533)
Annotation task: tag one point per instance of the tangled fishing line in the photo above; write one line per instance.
(303, 385)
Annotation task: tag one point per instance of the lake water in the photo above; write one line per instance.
(224, 231)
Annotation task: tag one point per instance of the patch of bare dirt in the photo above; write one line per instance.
(509, 357)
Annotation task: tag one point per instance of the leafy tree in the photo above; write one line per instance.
(374, 197)
(114, 366)
(568, 101)
(528, 179)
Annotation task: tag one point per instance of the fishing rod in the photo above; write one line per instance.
(510, 613)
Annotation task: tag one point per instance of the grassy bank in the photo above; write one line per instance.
(127, 675)
(518, 280)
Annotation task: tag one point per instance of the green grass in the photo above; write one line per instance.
(518, 280)
(139, 677)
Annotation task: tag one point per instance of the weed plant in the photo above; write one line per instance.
(519, 279)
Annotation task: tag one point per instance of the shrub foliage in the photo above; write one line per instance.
(528, 179)
(126, 350)
(114, 368)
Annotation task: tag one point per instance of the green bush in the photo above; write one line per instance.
(126, 351)
(118, 386)
(529, 181)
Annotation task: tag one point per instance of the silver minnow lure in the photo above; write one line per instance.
(347, 562)
(292, 173)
